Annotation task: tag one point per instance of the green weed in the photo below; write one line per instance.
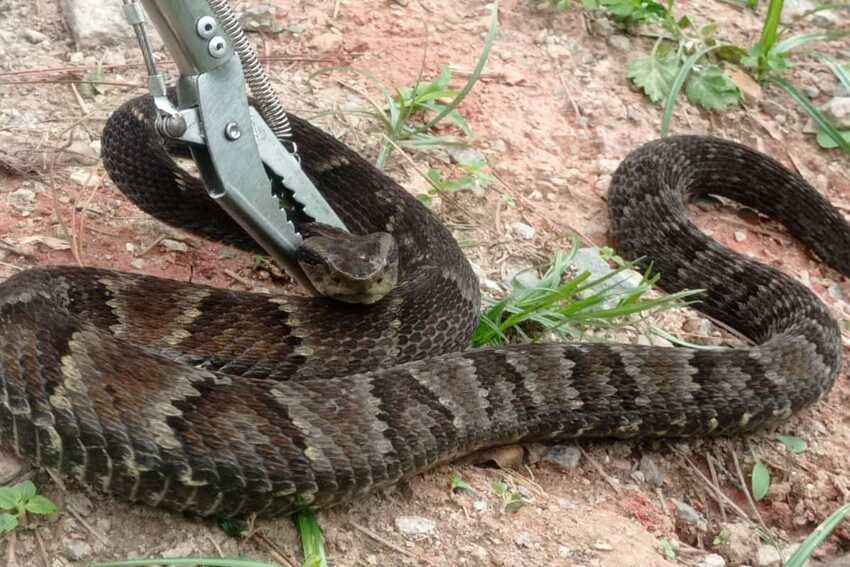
(16, 501)
(511, 499)
(409, 115)
(475, 175)
(692, 59)
(566, 305)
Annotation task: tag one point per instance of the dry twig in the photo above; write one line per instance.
(601, 471)
(366, 531)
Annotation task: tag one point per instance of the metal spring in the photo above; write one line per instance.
(255, 75)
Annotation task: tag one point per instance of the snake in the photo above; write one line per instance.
(219, 402)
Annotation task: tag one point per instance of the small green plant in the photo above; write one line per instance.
(770, 58)
(693, 59)
(410, 115)
(566, 304)
(827, 137)
(475, 175)
(16, 501)
(511, 499)
(457, 485)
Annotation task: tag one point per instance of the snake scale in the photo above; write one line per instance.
(220, 402)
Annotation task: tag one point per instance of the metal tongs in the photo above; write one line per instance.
(237, 152)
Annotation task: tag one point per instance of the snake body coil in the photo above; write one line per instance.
(223, 402)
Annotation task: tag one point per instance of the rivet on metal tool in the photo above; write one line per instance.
(232, 131)
(217, 46)
(206, 27)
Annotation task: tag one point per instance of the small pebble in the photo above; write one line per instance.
(10, 467)
(77, 550)
(82, 176)
(175, 245)
(689, 515)
(620, 42)
(414, 525)
(602, 546)
(740, 236)
(564, 456)
(768, 556)
(712, 560)
(523, 230)
(651, 472)
(34, 37)
(22, 199)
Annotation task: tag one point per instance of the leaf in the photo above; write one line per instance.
(793, 444)
(731, 53)
(26, 490)
(787, 45)
(620, 9)
(760, 481)
(40, 505)
(9, 498)
(827, 142)
(712, 89)
(8, 522)
(654, 74)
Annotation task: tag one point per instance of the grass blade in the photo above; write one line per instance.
(838, 70)
(770, 31)
(311, 539)
(679, 81)
(796, 41)
(817, 9)
(816, 114)
(804, 552)
(476, 73)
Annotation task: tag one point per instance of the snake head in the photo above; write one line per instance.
(349, 267)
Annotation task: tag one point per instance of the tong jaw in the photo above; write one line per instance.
(234, 148)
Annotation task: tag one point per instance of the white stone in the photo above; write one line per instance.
(94, 23)
(523, 230)
(175, 245)
(414, 525)
(712, 560)
(768, 556)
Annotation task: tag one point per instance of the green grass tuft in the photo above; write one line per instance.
(567, 305)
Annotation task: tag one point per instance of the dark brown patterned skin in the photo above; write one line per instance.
(222, 402)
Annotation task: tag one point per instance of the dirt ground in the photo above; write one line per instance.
(553, 115)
